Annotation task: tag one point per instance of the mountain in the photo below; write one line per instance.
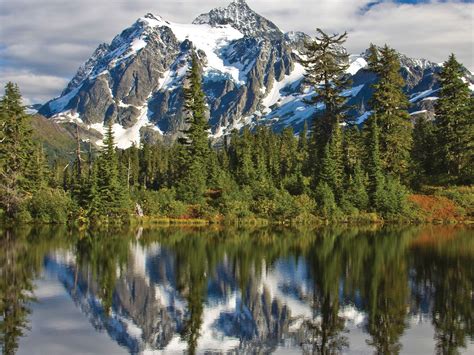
(251, 77)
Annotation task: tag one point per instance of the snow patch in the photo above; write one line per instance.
(126, 137)
(60, 103)
(356, 65)
(208, 39)
(422, 95)
(275, 95)
(418, 112)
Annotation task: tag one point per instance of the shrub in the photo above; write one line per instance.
(50, 206)
(327, 206)
(236, 203)
(285, 206)
(392, 199)
(176, 209)
(463, 196)
(157, 203)
(305, 204)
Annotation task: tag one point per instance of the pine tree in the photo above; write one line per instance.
(374, 164)
(37, 169)
(15, 150)
(195, 139)
(422, 154)
(303, 150)
(373, 59)
(332, 168)
(357, 192)
(390, 104)
(326, 66)
(454, 124)
(245, 171)
(112, 195)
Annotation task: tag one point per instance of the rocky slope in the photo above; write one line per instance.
(251, 77)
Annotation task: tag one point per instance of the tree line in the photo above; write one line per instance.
(334, 168)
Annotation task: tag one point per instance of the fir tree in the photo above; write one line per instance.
(37, 169)
(245, 172)
(112, 195)
(325, 66)
(422, 154)
(374, 164)
(389, 103)
(195, 139)
(15, 150)
(357, 192)
(303, 150)
(332, 168)
(454, 124)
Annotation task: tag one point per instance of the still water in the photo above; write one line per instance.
(324, 291)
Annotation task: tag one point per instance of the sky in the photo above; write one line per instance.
(43, 42)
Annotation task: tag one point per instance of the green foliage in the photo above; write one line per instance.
(197, 153)
(391, 198)
(15, 151)
(389, 103)
(326, 201)
(463, 196)
(236, 203)
(337, 172)
(325, 66)
(49, 205)
(108, 194)
(422, 154)
(286, 206)
(357, 190)
(454, 125)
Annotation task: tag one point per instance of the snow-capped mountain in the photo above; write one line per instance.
(251, 76)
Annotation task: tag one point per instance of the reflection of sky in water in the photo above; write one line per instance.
(59, 324)
(59, 327)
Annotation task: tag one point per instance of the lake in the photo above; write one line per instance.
(225, 290)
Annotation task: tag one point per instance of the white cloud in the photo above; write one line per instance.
(43, 42)
(34, 87)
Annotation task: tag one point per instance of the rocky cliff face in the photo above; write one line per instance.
(251, 77)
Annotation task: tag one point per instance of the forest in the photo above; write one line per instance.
(391, 167)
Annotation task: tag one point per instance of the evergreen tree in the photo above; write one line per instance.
(454, 124)
(389, 103)
(112, 195)
(245, 172)
(373, 59)
(422, 154)
(15, 150)
(37, 170)
(357, 192)
(374, 164)
(326, 66)
(331, 164)
(303, 150)
(195, 139)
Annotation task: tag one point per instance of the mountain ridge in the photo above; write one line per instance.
(251, 76)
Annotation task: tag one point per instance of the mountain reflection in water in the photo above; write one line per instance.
(324, 291)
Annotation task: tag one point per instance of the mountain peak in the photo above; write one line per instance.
(240, 16)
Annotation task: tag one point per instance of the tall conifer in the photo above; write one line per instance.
(15, 149)
(390, 104)
(326, 63)
(195, 138)
(454, 124)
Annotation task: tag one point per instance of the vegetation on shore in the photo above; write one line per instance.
(336, 170)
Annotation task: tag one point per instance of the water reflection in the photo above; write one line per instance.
(251, 291)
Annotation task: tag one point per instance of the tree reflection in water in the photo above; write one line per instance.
(290, 287)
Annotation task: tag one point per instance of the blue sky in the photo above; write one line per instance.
(43, 42)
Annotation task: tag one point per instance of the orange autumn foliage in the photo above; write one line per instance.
(436, 208)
